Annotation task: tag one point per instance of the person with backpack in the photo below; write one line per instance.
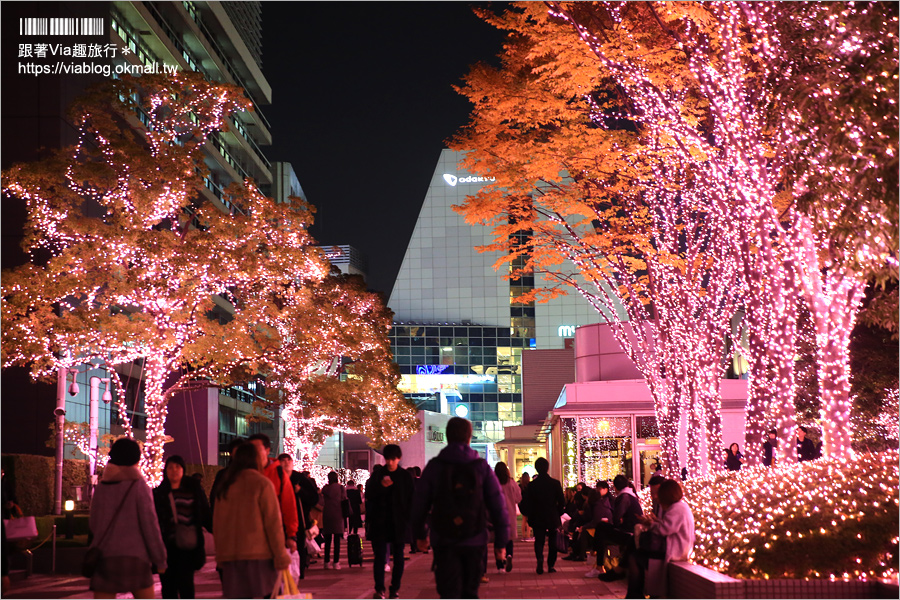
(389, 496)
(459, 488)
(544, 502)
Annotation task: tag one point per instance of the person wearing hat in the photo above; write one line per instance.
(183, 512)
(125, 528)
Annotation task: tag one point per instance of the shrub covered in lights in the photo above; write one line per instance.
(828, 518)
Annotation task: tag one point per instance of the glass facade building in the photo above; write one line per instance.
(458, 335)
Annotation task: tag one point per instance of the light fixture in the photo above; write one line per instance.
(461, 411)
(70, 505)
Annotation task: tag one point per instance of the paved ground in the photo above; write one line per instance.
(356, 582)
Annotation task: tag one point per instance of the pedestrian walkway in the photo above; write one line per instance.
(357, 582)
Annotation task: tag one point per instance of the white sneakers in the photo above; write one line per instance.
(592, 573)
(335, 566)
(387, 568)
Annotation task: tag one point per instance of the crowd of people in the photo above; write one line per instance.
(263, 516)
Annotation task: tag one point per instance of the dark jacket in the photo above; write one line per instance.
(769, 452)
(806, 450)
(429, 484)
(201, 517)
(544, 502)
(599, 511)
(626, 510)
(307, 493)
(733, 461)
(388, 508)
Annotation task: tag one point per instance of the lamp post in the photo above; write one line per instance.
(94, 421)
(60, 412)
(70, 519)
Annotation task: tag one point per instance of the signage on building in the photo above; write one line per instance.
(433, 435)
(566, 331)
(431, 369)
(452, 180)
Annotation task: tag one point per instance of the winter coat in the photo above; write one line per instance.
(601, 509)
(135, 528)
(806, 450)
(284, 491)
(513, 495)
(544, 502)
(247, 522)
(733, 461)
(429, 484)
(201, 518)
(388, 508)
(677, 525)
(332, 516)
(626, 510)
(769, 452)
(355, 498)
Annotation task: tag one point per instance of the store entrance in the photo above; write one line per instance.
(648, 463)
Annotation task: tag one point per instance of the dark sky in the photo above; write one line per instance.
(362, 104)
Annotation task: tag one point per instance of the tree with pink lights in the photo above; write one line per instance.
(130, 264)
(584, 198)
(605, 112)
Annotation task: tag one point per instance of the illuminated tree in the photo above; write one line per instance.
(604, 210)
(332, 367)
(692, 99)
(129, 263)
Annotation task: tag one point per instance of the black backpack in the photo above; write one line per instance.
(459, 512)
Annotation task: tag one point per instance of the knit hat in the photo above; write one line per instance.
(125, 452)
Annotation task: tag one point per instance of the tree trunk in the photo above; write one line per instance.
(156, 370)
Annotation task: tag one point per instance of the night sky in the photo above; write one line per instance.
(362, 103)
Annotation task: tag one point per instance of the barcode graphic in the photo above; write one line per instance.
(61, 26)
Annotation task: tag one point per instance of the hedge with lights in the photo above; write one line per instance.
(829, 518)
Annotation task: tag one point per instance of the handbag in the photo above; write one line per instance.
(185, 535)
(651, 544)
(94, 555)
(22, 528)
(286, 587)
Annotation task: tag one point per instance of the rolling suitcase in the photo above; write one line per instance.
(354, 550)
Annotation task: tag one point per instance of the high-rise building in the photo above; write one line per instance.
(223, 41)
(458, 336)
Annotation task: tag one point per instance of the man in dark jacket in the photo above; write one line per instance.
(806, 450)
(544, 503)
(769, 448)
(626, 514)
(458, 487)
(389, 495)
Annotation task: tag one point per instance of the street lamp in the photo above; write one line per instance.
(70, 519)
(60, 412)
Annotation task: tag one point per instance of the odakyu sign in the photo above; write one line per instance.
(453, 180)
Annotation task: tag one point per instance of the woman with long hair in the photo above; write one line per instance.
(183, 512)
(733, 458)
(125, 529)
(247, 528)
(333, 495)
(512, 495)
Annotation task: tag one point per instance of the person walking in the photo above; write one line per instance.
(389, 497)
(247, 528)
(544, 502)
(512, 494)
(183, 512)
(355, 498)
(458, 487)
(333, 495)
(284, 490)
(524, 480)
(125, 528)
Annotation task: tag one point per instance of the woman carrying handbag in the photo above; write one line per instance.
(183, 512)
(127, 543)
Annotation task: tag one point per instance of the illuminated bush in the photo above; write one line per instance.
(828, 518)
